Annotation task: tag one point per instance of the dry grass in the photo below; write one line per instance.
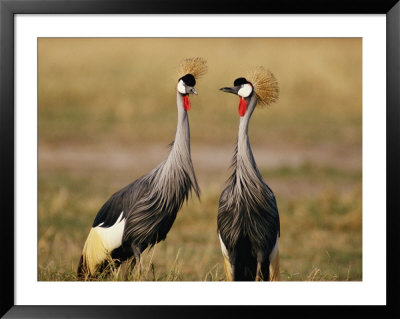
(103, 102)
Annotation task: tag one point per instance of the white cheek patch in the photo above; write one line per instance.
(245, 90)
(181, 87)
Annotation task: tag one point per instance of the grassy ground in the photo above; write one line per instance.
(107, 112)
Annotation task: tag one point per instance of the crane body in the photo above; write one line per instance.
(248, 218)
(142, 213)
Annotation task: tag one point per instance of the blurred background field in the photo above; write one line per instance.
(107, 112)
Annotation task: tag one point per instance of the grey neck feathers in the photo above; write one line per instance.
(182, 137)
(245, 166)
(175, 176)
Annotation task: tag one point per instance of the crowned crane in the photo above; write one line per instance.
(248, 219)
(142, 213)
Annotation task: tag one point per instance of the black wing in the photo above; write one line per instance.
(257, 220)
(110, 211)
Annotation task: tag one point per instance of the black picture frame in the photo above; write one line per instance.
(8, 10)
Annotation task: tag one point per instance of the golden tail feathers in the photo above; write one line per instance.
(94, 253)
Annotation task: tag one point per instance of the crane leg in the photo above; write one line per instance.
(136, 254)
(134, 260)
(274, 268)
(233, 273)
(262, 272)
(232, 261)
(258, 272)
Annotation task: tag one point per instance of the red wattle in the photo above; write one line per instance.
(242, 106)
(186, 102)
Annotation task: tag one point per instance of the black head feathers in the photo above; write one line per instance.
(240, 81)
(188, 79)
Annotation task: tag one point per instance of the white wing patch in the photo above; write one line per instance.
(112, 236)
(274, 251)
(223, 247)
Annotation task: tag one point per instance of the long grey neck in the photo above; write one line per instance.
(245, 163)
(182, 137)
(172, 177)
(243, 148)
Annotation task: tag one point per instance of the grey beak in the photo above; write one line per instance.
(233, 90)
(192, 90)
